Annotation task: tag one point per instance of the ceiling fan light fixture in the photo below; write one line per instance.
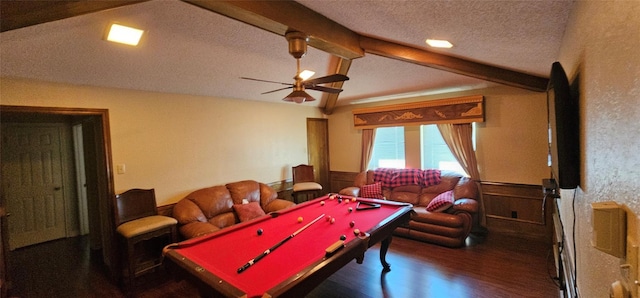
(298, 96)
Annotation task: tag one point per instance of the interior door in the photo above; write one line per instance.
(32, 183)
(318, 148)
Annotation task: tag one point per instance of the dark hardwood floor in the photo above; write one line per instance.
(497, 266)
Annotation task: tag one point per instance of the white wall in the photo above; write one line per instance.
(511, 144)
(600, 47)
(179, 143)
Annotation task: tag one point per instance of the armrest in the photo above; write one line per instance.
(277, 204)
(468, 205)
(353, 191)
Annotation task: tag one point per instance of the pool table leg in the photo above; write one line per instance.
(384, 247)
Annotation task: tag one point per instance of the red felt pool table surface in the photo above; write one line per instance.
(216, 257)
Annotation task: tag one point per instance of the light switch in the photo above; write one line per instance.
(120, 169)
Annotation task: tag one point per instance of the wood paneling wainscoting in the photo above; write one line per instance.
(340, 180)
(519, 209)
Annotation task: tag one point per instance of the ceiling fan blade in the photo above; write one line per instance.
(327, 79)
(266, 81)
(324, 89)
(277, 90)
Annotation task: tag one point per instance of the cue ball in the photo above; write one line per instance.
(343, 237)
(352, 223)
(300, 219)
(356, 232)
(259, 231)
(321, 203)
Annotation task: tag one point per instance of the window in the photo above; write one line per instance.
(435, 152)
(388, 148)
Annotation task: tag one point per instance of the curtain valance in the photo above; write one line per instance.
(452, 110)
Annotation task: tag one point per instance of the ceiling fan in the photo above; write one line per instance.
(297, 49)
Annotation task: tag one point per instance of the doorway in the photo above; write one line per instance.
(35, 175)
(99, 178)
(318, 150)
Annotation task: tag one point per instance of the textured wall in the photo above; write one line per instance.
(600, 50)
(179, 143)
(511, 145)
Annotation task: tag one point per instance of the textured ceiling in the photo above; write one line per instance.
(190, 50)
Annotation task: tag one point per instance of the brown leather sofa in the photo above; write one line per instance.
(213, 208)
(449, 227)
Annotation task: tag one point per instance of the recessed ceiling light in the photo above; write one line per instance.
(439, 43)
(123, 34)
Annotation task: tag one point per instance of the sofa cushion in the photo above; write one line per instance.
(371, 191)
(302, 186)
(248, 211)
(448, 181)
(186, 211)
(405, 193)
(224, 220)
(442, 202)
(267, 194)
(248, 190)
(211, 201)
(196, 229)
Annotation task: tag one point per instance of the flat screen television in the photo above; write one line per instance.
(564, 131)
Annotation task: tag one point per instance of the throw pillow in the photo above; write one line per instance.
(248, 211)
(441, 202)
(371, 191)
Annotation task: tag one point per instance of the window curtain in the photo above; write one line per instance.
(459, 139)
(368, 136)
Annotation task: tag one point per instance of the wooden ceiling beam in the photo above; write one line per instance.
(279, 17)
(325, 34)
(332, 98)
(452, 64)
(282, 16)
(19, 14)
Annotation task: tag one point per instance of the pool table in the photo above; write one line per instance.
(221, 264)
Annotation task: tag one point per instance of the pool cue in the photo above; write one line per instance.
(268, 251)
